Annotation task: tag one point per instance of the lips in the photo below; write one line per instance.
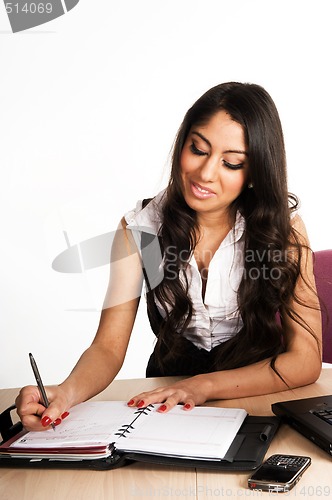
(201, 192)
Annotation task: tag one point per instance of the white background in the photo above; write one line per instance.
(89, 107)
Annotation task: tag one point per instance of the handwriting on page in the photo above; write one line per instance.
(91, 423)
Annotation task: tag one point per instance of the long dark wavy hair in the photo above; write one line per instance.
(269, 275)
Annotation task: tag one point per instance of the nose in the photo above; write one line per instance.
(209, 170)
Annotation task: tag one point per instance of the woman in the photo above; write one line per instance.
(236, 310)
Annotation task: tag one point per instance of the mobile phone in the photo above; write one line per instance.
(279, 473)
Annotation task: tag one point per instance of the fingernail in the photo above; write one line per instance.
(65, 414)
(131, 402)
(45, 421)
(57, 421)
(140, 404)
(162, 408)
(187, 406)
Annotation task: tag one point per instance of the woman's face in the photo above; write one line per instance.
(214, 165)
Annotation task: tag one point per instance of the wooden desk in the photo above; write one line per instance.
(142, 481)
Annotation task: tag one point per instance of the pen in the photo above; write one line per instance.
(40, 383)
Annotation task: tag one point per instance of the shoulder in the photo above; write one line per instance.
(299, 228)
(147, 212)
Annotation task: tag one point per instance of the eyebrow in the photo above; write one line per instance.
(238, 151)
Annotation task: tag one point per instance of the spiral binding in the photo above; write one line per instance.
(126, 428)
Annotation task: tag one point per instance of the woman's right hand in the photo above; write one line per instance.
(32, 412)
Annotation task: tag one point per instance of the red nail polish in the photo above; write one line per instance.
(65, 414)
(162, 408)
(46, 421)
(131, 402)
(57, 421)
(187, 406)
(140, 404)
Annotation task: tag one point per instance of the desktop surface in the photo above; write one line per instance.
(144, 481)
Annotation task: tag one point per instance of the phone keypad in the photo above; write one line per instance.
(289, 462)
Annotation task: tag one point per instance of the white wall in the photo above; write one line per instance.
(89, 106)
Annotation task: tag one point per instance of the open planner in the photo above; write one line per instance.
(106, 434)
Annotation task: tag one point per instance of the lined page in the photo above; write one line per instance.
(203, 432)
(90, 423)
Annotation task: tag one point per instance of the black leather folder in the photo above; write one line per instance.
(245, 454)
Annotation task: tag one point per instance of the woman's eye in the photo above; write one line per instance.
(196, 151)
(232, 166)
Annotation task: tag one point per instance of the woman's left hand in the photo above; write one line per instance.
(190, 392)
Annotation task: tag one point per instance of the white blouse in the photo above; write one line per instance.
(216, 319)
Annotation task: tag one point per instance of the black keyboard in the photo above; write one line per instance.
(323, 413)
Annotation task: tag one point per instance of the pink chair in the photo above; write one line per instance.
(323, 275)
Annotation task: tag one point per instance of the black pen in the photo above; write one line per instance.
(40, 384)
